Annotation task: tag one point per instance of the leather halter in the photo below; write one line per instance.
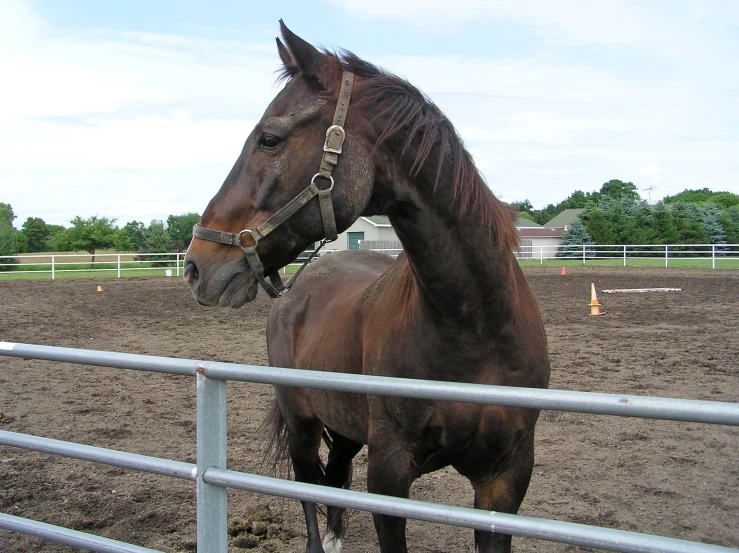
(332, 147)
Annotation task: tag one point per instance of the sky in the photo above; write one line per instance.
(137, 110)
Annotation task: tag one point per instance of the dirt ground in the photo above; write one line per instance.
(668, 478)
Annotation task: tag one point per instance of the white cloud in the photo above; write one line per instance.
(73, 106)
(617, 22)
(141, 125)
(652, 172)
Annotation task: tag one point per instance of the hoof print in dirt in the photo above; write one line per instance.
(259, 526)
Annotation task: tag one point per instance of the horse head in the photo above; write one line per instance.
(300, 177)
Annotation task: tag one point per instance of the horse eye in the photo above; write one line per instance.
(269, 142)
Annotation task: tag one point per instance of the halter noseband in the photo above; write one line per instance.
(332, 147)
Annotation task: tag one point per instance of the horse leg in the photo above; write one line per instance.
(389, 473)
(504, 492)
(304, 439)
(338, 474)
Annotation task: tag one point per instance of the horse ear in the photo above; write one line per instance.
(307, 58)
(286, 57)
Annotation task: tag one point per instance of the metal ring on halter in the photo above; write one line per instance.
(313, 180)
(248, 231)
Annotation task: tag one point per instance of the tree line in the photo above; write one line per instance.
(92, 234)
(616, 214)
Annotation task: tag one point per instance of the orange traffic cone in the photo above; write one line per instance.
(100, 288)
(594, 305)
(564, 271)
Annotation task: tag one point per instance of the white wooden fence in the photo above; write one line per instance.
(172, 264)
(707, 255)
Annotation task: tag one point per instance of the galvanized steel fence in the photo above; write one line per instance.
(212, 478)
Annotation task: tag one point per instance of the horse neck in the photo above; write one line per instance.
(463, 267)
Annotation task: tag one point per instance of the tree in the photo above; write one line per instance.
(156, 238)
(663, 226)
(576, 235)
(689, 224)
(132, 236)
(712, 224)
(526, 215)
(635, 227)
(37, 234)
(179, 228)
(9, 247)
(89, 235)
(6, 215)
(9, 243)
(578, 199)
(730, 222)
(723, 200)
(619, 190)
(598, 226)
(521, 207)
(541, 216)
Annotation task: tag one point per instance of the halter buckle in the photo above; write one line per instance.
(335, 136)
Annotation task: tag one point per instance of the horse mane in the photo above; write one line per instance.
(427, 142)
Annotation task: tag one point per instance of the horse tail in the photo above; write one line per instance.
(274, 430)
(277, 454)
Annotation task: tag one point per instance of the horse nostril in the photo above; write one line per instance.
(191, 272)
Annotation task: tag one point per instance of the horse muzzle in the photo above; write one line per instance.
(229, 283)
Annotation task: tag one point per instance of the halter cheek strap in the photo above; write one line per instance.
(332, 148)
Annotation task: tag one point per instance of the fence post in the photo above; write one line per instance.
(583, 254)
(52, 267)
(624, 255)
(119, 265)
(541, 255)
(667, 255)
(713, 256)
(211, 452)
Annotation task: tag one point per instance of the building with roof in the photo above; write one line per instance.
(375, 232)
(565, 219)
(537, 241)
(543, 241)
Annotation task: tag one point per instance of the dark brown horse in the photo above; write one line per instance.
(454, 306)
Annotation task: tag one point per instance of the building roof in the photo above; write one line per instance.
(378, 220)
(564, 219)
(524, 222)
(541, 232)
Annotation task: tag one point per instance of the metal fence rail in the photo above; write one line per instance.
(213, 479)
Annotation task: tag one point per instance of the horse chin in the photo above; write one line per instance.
(240, 291)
